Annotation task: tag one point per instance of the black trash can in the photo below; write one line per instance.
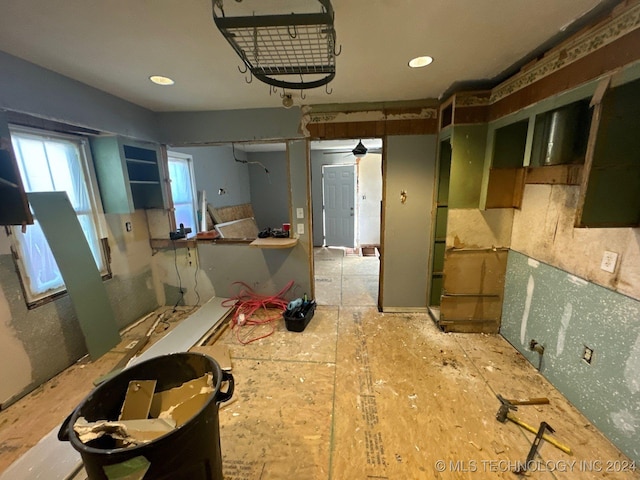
(190, 452)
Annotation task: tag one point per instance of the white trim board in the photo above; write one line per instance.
(188, 332)
(51, 459)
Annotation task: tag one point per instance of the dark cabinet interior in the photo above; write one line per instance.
(506, 177)
(14, 207)
(610, 195)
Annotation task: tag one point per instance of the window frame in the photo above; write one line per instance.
(34, 300)
(194, 191)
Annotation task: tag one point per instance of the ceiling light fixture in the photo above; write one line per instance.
(360, 150)
(420, 62)
(161, 80)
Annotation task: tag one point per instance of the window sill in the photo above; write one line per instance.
(55, 295)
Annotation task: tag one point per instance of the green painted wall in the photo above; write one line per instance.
(409, 165)
(565, 313)
(468, 144)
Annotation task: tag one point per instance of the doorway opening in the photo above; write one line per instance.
(346, 191)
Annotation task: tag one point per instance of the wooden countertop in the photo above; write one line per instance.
(270, 242)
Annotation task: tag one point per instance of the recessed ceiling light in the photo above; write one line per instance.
(160, 80)
(420, 62)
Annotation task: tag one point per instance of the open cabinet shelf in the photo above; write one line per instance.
(129, 174)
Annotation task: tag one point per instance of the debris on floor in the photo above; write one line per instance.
(157, 413)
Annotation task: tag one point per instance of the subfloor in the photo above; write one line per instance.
(365, 395)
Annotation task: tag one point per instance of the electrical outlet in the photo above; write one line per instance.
(300, 228)
(127, 226)
(299, 213)
(587, 354)
(609, 260)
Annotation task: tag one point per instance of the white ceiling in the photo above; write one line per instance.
(115, 45)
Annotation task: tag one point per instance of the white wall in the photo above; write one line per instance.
(369, 199)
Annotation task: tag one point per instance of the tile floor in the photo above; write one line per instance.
(347, 280)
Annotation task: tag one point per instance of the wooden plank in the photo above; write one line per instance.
(471, 308)
(616, 54)
(555, 174)
(230, 213)
(376, 128)
(474, 271)
(274, 242)
(78, 268)
(470, 326)
(219, 352)
(473, 275)
(158, 243)
(472, 114)
(244, 228)
(501, 189)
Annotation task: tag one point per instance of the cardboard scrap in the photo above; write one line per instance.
(129, 432)
(137, 401)
(220, 353)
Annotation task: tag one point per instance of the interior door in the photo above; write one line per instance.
(338, 192)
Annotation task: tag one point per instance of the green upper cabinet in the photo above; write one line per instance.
(14, 207)
(509, 145)
(129, 174)
(610, 195)
(468, 144)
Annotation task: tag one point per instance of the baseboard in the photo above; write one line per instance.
(405, 309)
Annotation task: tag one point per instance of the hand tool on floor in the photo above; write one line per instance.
(534, 447)
(504, 414)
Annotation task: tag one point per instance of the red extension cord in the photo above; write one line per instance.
(247, 303)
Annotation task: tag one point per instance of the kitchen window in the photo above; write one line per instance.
(54, 162)
(183, 190)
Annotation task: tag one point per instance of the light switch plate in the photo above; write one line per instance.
(300, 227)
(609, 260)
(299, 213)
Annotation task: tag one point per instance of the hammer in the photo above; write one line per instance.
(504, 414)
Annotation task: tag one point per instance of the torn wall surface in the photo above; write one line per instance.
(565, 313)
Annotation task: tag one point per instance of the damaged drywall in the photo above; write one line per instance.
(180, 269)
(49, 335)
(543, 229)
(473, 228)
(566, 314)
(15, 375)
